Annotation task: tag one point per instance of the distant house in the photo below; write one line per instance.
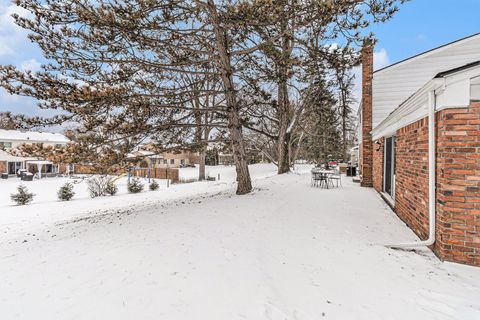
(420, 144)
(145, 159)
(11, 139)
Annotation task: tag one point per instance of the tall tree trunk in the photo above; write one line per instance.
(344, 123)
(297, 149)
(199, 132)
(203, 152)
(201, 169)
(244, 183)
(284, 112)
(283, 142)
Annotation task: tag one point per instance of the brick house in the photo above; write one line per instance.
(420, 144)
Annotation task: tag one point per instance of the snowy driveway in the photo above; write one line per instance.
(287, 251)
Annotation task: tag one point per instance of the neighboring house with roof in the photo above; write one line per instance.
(419, 139)
(11, 139)
(150, 159)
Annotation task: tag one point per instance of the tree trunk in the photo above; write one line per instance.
(244, 184)
(344, 124)
(284, 112)
(283, 135)
(199, 131)
(296, 150)
(203, 152)
(201, 169)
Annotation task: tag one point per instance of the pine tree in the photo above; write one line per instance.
(66, 193)
(153, 185)
(23, 196)
(135, 186)
(322, 141)
(111, 189)
(7, 121)
(297, 33)
(115, 68)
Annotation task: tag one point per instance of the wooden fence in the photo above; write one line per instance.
(157, 173)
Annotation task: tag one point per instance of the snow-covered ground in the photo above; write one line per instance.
(197, 251)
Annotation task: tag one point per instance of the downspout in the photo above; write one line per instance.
(431, 180)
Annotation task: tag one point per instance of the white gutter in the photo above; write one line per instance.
(431, 180)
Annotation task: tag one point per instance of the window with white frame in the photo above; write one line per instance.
(475, 89)
(5, 145)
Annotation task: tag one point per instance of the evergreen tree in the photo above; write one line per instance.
(111, 189)
(153, 185)
(135, 186)
(7, 121)
(115, 68)
(23, 196)
(295, 33)
(66, 193)
(322, 141)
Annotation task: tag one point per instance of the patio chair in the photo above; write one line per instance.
(336, 176)
(319, 179)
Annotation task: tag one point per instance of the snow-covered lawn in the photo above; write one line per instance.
(197, 251)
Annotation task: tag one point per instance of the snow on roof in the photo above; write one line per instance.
(32, 136)
(143, 153)
(4, 156)
(37, 162)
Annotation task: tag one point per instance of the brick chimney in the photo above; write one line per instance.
(367, 146)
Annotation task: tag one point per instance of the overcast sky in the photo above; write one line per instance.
(420, 25)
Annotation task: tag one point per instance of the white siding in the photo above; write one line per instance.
(393, 85)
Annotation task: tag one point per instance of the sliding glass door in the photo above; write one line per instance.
(13, 167)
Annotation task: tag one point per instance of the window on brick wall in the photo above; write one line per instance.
(475, 89)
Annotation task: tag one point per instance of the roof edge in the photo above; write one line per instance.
(427, 52)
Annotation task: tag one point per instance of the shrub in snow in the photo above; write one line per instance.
(154, 185)
(135, 186)
(98, 186)
(111, 189)
(23, 196)
(65, 193)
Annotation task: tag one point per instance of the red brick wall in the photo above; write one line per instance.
(458, 185)
(411, 179)
(3, 166)
(367, 152)
(378, 155)
(62, 168)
